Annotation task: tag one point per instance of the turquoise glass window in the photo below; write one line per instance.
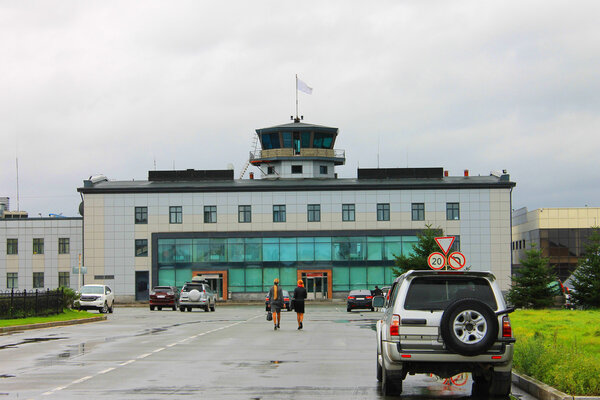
(305, 139)
(374, 248)
(254, 280)
(341, 279)
(306, 249)
(183, 250)
(166, 276)
(408, 244)
(235, 249)
(287, 139)
(358, 277)
(393, 246)
(287, 249)
(237, 281)
(322, 249)
(253, 248)
(166, 251)
(270, 249)
(375, 276)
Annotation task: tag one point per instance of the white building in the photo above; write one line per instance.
(298, 222)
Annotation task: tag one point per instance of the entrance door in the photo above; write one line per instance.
(141, 285)
(316, 285)
(217, 280)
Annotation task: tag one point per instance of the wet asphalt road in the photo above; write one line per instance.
(232, 353)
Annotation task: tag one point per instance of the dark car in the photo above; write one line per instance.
(287, 301)
(359, 299)
(164, 296)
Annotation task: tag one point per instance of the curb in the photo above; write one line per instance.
(19, 328)
(542, 391)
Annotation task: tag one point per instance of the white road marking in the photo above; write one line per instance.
(157, 350)
(143, 356)
(105, 371)
(127, 362)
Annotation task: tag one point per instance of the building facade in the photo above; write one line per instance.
(39, 253)
(298, 222)
(561, 234)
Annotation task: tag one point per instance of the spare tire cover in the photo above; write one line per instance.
(469, 327)
(194, 295)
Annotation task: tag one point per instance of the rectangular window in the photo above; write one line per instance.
(455, 244)
(314, 212)
(296, 169)
(141, 215)
(12, 246)
(323, 169)
(64, 279)
(418, 211)
(176, 215)
(141, 247)
(452, 211)
(244, 214)
(279, 213)
(210, 214)
(64, 246)
(38, 246)
(38, 280)
(12, 280)
(347, 212)
(270, 170)
(383, 212)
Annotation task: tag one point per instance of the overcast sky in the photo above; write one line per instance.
(115, 87)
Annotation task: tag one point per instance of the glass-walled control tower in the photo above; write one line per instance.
(297, 150)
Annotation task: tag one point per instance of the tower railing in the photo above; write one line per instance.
(289, 152)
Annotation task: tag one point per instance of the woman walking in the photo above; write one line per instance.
(276, 301)
(299, 296)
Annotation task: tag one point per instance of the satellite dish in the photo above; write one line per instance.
(230, 166)
(81, 208)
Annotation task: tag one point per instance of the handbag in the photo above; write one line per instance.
(269, 316)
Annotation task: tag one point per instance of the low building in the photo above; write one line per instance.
(298, 222)
(561, 234)
(38, 253)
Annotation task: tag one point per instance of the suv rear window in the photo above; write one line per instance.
(189, 287)
(435, 293)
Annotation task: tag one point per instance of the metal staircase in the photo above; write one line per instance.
(253, 146)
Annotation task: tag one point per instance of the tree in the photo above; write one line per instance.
(425, 245)
(586, 278)
(530, 287)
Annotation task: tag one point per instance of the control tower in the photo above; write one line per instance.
(297, 150)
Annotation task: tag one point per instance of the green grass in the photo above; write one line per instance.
(66, 316)
(560, 348)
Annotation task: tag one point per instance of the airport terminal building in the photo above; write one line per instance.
(298, 221)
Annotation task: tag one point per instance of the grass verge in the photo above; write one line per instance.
(67, 315)
(560, 348)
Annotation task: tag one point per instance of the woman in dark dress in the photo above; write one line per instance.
(299, 296)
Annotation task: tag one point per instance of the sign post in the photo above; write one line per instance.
(456, 260)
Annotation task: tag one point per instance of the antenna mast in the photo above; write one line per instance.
(18, 206)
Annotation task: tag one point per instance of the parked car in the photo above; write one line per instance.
(445, 323)
(359, 299)
(164, 296)
(287, 301)
(95, 297)
(197, 294)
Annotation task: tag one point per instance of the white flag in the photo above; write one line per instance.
(303, 87)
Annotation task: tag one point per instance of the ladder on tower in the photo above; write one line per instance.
(253, 146)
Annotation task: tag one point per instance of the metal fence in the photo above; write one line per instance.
(33, 303)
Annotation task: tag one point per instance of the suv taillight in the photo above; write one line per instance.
(506, 328)
(395, 325)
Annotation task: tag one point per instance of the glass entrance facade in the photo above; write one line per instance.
(357, 262)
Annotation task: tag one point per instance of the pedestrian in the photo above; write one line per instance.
(276, 301)
(377, 291)
(299, 296)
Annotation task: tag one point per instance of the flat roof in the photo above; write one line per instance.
(308, 184)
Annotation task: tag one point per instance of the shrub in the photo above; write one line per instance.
(69, 296)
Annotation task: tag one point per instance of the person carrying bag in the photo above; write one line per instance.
(299, 296)
(276, 301)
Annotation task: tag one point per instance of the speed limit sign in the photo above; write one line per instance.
(436, 260)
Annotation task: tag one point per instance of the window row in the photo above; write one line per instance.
(518, 244)
(313, 213)
(12, 280)
(12, 246)
(175, 251)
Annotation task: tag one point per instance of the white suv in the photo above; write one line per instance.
(197, 294)
(445, 323)
(96, 297)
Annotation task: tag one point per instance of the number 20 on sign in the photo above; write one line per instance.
(436, 260)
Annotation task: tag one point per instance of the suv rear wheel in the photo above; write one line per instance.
(469, 327)
(390, 385)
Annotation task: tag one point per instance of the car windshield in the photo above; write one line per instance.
(92, 290)
(427, 293)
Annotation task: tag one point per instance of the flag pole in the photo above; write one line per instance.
(296, 96)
